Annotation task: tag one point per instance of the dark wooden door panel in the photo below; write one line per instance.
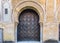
(28, 28)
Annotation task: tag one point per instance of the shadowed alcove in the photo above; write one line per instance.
(51, 41)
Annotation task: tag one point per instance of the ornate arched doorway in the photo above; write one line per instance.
(28, 28)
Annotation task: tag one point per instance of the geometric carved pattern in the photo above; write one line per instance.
(28, 28)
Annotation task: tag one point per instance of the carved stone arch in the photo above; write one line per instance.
(58, 21)
(28, 4)
(28, 7)
(58, 15)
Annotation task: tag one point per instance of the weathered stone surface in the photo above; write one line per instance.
(49, 16)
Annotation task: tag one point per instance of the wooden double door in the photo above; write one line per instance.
(28, 28)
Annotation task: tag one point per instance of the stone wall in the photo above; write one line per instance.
(49, 17)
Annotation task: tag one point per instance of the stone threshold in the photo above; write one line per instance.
(28, 42)
(21, 42)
